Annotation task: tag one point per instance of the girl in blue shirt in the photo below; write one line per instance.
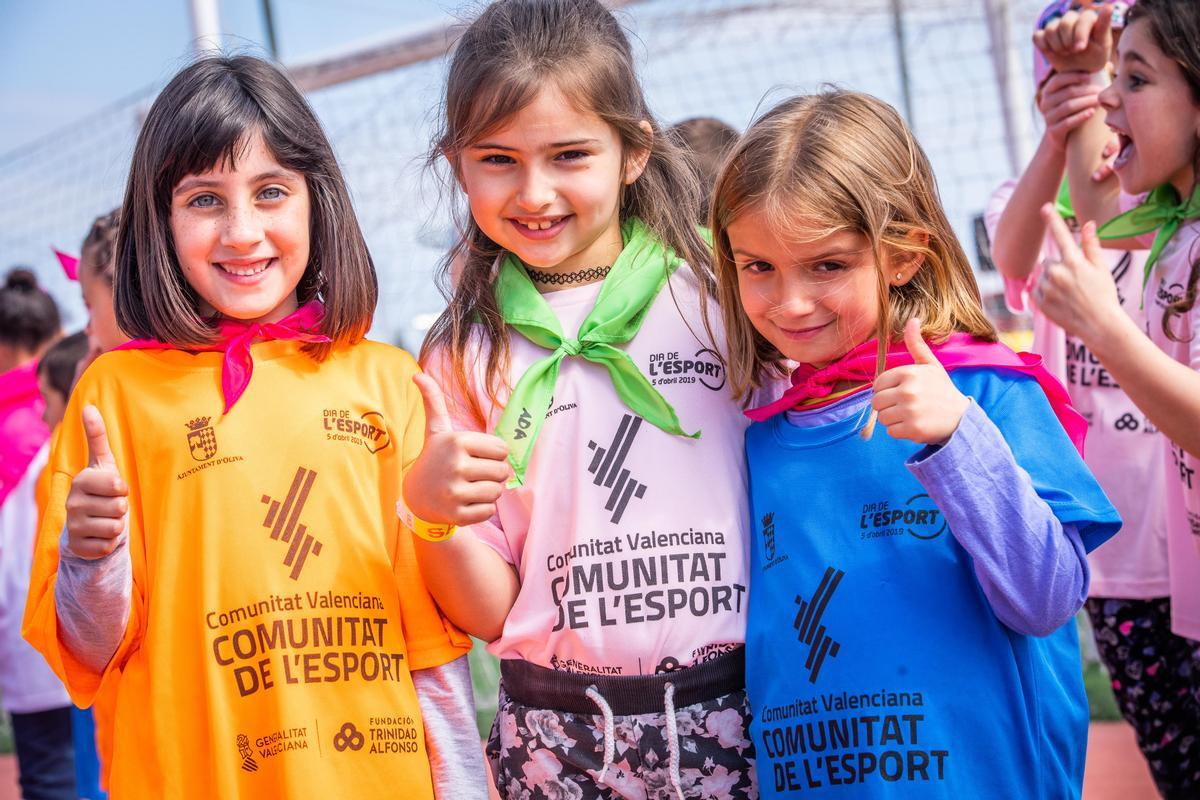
(921, 512)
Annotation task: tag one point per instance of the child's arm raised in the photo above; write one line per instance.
(1068, 101)
(1078, 294)
(1081, 41)
(457, 479)
(1032, 569)
(95, 575)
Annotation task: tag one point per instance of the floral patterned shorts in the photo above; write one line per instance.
(541, 754)
(1156, 680)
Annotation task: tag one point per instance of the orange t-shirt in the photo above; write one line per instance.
(277, 609)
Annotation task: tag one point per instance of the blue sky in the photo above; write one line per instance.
(62, 59)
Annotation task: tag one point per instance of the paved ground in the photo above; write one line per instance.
(1115, 770)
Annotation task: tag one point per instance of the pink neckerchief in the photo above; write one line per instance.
(959, 350)
(19, 396)
(237, 336)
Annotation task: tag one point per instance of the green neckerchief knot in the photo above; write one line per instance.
(628, 292)
(1162, 211)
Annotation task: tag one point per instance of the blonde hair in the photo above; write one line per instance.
(843, 161)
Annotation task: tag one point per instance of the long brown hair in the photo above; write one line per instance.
(205, 117)
(503, 60)
(843, 161)
(1175, 28)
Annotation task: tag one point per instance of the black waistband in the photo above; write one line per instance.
(540, 687)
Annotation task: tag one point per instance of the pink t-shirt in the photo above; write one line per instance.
(22, 430)
(1123, 447)
(1167, 283)
(629, 542)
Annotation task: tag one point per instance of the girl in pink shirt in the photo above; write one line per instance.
(607, 561)
(1153, 106)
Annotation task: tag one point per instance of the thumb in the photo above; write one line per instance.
(99, 453)
(437, 415)
(918, 348)
(1061, 233)
(1092, 250)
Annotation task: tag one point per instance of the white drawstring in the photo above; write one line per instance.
(605, 711)
(672, 739)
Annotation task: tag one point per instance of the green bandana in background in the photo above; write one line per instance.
(1162, 211)
(1062, 203)
(635, 279)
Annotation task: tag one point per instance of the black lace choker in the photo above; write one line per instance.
(589, 275)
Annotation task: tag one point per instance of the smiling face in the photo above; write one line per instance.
(241, 235)
(813, 297)
(547, 186)
(1154, 113)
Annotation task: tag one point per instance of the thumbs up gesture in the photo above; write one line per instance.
(459, 475)
(919, 402)
(1078, 292)
(97, 507)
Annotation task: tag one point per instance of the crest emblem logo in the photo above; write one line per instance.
(202, 440)
(247, 755)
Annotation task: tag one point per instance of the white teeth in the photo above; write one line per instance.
(246, 272)
(540, 225)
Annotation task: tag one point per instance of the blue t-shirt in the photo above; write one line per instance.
(875, 666)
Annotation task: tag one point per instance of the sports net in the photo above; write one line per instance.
(722, 58)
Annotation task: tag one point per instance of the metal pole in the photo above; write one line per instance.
(206, 26)
(902, 61)
(269, 26)
(1014, 101)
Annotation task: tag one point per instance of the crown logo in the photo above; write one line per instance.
(199, 423)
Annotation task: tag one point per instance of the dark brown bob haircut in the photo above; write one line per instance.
(205, 117)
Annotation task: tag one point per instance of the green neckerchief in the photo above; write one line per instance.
(627, 293)
(1062, 203)
(1162, 211)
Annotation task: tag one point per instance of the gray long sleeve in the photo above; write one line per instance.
(91, 597)
(1032, 568)
(455, 752)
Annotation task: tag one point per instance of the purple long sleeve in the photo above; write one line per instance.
(1033, 569)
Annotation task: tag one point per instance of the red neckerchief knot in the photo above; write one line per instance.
(236, 337)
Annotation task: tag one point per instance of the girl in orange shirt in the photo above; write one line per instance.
(230, 545)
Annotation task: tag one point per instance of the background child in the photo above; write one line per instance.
(97, 260)
(705, 140)
(40, 708)
(1129, 602)
(286, 644)
(610, 578)
(29, 323)
(56, 375)
(911, 623)
(1154, 107)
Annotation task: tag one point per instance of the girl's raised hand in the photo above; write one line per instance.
(1078, 41)
(919, 402)
(96, 505)
(1068, 100)
(1078, 292)
(459, 475)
